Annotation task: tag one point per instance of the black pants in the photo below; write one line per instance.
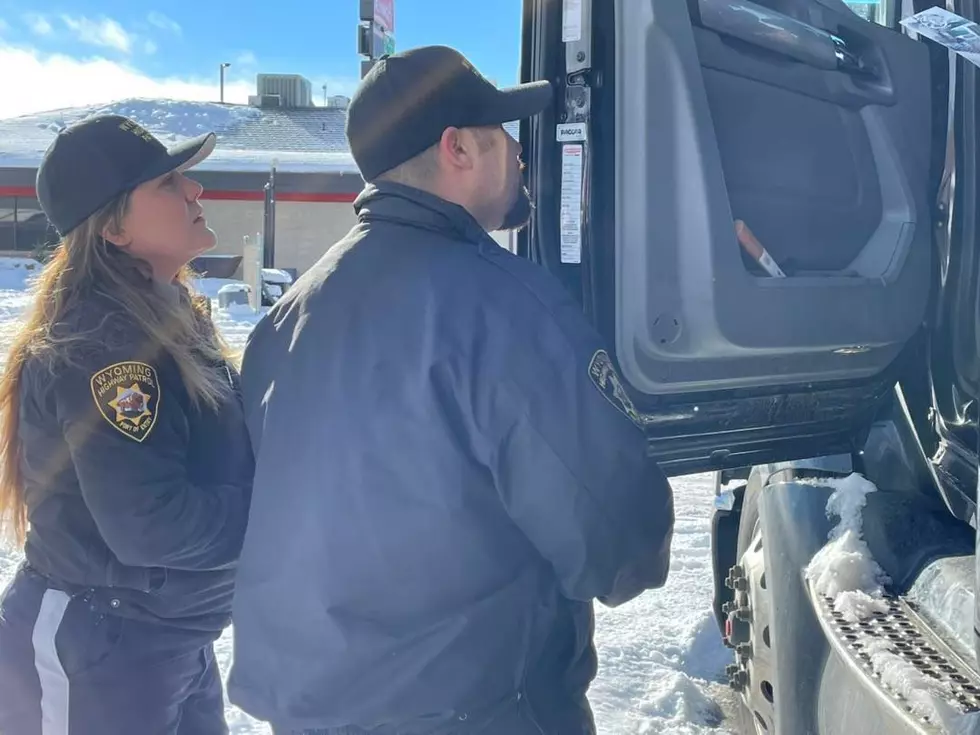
(512, 717)
(68, 667)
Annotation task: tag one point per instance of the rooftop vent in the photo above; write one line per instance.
(265, 100)
(292, 90)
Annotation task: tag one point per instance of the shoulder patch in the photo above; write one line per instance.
(128, 397)
(606, 379)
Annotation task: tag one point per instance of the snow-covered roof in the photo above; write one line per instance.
(249, 138)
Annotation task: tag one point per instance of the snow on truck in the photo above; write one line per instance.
(770, 210)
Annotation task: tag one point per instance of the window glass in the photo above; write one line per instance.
(879, 12)
(23, 227)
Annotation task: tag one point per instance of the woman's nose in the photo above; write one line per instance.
(192, 189)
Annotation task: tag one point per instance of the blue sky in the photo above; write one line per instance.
(71, 52)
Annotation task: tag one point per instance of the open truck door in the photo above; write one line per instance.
(691, 136)
(675, 119)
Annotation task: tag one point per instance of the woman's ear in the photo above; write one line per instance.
(119, 238)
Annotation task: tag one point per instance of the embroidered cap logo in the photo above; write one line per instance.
(136, 129)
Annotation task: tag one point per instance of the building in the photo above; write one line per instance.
(316, 180)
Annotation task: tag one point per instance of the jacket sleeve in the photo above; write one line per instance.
(572, 467)
(127, 438)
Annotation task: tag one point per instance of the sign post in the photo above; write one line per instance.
(375, 32)
(252, 264)
(269, 221)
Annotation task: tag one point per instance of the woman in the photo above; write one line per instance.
(123, 448)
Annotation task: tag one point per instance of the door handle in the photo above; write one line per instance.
(781, 34)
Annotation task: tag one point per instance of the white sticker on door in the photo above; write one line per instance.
(571, 20)
(947, 29)
(567, 132)
(571, 203)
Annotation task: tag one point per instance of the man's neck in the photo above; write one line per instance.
(447, 191)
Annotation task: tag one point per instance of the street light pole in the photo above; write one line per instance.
(224, 65)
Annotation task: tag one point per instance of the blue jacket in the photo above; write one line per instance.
(447, 474)
(132, 491)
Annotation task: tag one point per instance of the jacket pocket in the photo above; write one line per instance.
(142, 579)
(87, 638)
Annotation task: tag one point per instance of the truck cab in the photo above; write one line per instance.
(768, 208)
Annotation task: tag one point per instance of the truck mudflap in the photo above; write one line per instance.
(913, 672)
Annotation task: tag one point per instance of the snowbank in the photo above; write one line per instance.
(234, 323)
(16, 274)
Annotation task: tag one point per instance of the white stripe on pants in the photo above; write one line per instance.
(54, 681)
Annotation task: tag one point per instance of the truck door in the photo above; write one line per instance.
(811, 127)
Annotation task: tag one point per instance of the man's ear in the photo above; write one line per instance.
(457, 148)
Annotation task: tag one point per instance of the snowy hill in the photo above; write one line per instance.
(249, 138)
(171, 119)
(308, 139)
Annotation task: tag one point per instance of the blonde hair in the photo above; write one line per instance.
(84, 266)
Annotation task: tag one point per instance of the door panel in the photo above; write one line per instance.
(812, 126)
(815, 205)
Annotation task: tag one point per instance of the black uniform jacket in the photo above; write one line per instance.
(133, 492)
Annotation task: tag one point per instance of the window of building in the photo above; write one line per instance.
(23, 227)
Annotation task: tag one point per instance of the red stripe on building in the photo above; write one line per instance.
(17, 191)
(220, 195)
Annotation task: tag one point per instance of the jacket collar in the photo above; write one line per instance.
(389, 202)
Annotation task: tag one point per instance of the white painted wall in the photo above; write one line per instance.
(304, 230)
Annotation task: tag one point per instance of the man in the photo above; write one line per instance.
(448, 470)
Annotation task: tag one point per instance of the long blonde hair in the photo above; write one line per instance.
(84, 266)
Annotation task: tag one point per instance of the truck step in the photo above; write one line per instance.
(943, 595)
(902, 632)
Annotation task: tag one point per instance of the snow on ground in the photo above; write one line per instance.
(235, 323)
(660, 655)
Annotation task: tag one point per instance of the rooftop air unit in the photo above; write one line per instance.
(293, 90)
(265, 100)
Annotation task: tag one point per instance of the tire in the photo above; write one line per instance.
(749, 520)
(747, 528)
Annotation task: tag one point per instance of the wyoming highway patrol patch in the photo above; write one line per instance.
(128, 397)
(603, 374)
